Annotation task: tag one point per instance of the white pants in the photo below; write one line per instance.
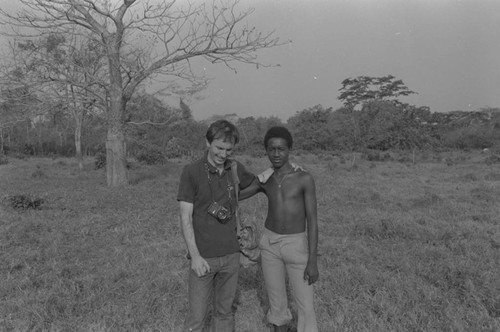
(282, 254)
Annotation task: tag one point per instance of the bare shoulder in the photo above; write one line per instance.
(304, 176)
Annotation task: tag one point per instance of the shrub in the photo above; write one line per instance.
(141, 177)
(20, 156)
(100, 160)
(3, 160)
(29, 149)
(151, 156)
(492, 177)
(471, 138)
(493, 159)
(331, 166)
(25, 202)
(38, 174)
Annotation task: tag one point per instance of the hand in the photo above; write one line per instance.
(311, 273)
(200, 266)
(297, 167)
(264, 176)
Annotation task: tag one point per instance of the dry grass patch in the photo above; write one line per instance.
(403, 248)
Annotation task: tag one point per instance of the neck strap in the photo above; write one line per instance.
(207, 171)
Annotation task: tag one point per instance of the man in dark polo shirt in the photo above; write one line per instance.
(207, 204)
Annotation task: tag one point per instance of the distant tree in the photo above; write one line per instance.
(386, 125)
(310, 128)
(18, 108)
(252, 131)
(249, 131)
(362, 89)
(344, 128)
(264, 123)
(132, 38)
(493, 114)
(61, 73)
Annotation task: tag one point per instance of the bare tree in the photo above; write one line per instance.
(144, 39)
(18, 105)
(62, 73)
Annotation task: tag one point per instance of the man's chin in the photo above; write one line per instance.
(220, 161)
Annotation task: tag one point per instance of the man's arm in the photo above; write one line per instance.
(198, 264)
(311, 273)
(250, 190)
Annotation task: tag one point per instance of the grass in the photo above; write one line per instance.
(403, 247)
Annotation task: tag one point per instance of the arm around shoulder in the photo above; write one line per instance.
(250, 190)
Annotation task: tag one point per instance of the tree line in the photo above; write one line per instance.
(75, 76)
(155, 131)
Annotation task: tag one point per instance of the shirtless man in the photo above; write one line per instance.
(290, 237)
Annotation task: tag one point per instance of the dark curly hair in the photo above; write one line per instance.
(278, 132)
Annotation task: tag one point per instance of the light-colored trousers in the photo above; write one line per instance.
(282, 254)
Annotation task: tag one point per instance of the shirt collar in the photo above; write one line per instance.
(213, 169)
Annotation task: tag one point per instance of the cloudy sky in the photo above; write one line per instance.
(446, 50)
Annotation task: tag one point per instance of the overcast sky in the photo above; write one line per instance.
(446, 50)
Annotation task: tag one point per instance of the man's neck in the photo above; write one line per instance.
(220, 168)
(286, 168)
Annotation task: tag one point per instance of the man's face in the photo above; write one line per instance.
(218, 151)
(277, 151)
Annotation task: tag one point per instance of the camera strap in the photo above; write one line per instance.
(207, 171)
(236, 181)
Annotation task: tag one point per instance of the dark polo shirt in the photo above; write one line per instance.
(213, 239)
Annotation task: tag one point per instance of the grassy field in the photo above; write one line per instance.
(404, 247)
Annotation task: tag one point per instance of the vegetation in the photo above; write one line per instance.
(98, 54)
(403, 247)
(362, 89)
(409, 234)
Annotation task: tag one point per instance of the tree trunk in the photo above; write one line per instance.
(116, 154)
(116, 160)
(116, 170)
(40, 145)
(1, 141)
(28, 123)
(78, 144)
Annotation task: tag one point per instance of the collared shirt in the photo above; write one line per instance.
(213, 238)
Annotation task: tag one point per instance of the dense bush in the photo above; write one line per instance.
(174, 149)
(100, 160)
(493, 159)
(29, 149)
(377, 156)
(3, 160)
(151, 156)
(471, 138)
(25, 202)
(38, 174)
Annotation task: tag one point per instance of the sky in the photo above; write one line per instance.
(448, 51)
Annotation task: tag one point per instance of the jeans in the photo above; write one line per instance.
(221, 283)
(288, 254)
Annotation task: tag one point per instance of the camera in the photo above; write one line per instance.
(222, 214)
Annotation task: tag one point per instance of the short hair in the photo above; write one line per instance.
(222, 129)
(278, 132)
